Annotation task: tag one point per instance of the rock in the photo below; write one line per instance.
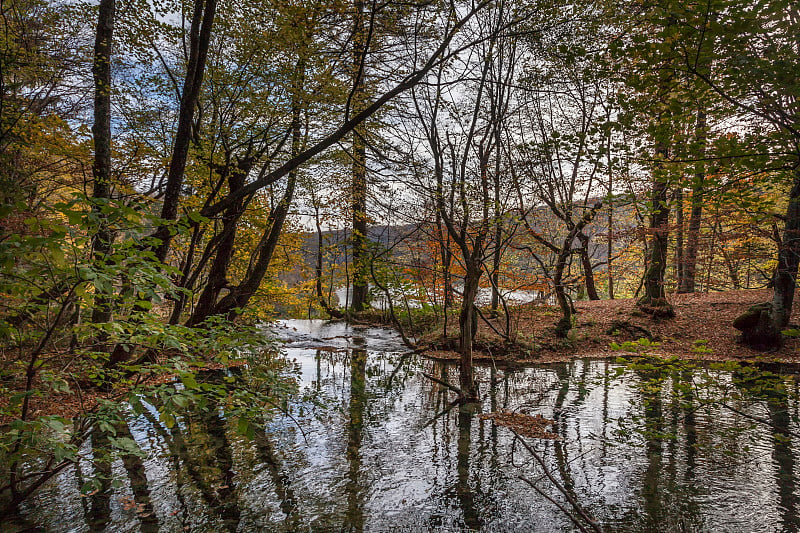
(750, 318)
(757, 327)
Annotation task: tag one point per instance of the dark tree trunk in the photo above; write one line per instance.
(679, 248)
(218, 272)
(186, 280)
(788, 260)
(497, 253)
(321, 298)
(447, 278)
(586, 263)
(199, 38)
(653, 301)
(610, 250)
(467, 323)
(565, 322)
(359, 184)
(610, 229)
(687, 284)
(234, 302)
(101, 135)
(762, 324)
(496, 260)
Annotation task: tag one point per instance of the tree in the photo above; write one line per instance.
(360, 49)
(558, 165)
(463, 138)
(101, 134)
(754, 56)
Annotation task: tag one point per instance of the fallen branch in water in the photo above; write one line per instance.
(446, 410)
(572, 501)
(563, 509)
(443, 383)
(400, 363)
(777, 428)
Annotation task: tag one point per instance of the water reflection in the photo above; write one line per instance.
(466, 498)
(354, 520)
(98, 511)
(385, 447)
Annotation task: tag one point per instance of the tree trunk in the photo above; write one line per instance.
(359, 184)
(234, 302)
(323, 300)
(101, 135)
(467, 324)
(679, 248)
(788, 260)
(588, 272)
(565, 323)
(610, 249)
(218, 272)
(497, 254)
(687, 284)
(654, 301)
(762, 324)
(199, 38)
(447, 278)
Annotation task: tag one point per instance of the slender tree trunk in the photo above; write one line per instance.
(733, 270)
(711, 253)
(447, 279)
(318, 265)
(565, 323)
(788, 260)
(324, 301)
(588, 272)
(495, 303)
(234, 302)
(496, 260)
(185, 281)
(199, 38)
(359, 184)
(101, 134)
(654, 300)
(467, 325)
(679, 249)
(218, 272)
(695, 218)
(610, 250)
(497, 254)
(610, 238)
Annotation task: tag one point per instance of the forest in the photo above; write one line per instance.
(240, 238)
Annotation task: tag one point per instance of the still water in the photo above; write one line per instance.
(380, 447)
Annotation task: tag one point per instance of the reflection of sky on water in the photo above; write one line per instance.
(398, 457)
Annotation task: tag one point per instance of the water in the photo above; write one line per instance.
(386, 450)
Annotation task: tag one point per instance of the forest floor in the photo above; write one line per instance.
(701, 329)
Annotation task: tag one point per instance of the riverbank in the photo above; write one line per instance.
(701, 329)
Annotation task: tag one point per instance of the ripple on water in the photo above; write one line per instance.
(400, 455)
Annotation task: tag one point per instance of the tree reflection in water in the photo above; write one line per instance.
(641, 451)
(354, 520)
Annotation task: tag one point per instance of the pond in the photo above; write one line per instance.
(380, 447)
